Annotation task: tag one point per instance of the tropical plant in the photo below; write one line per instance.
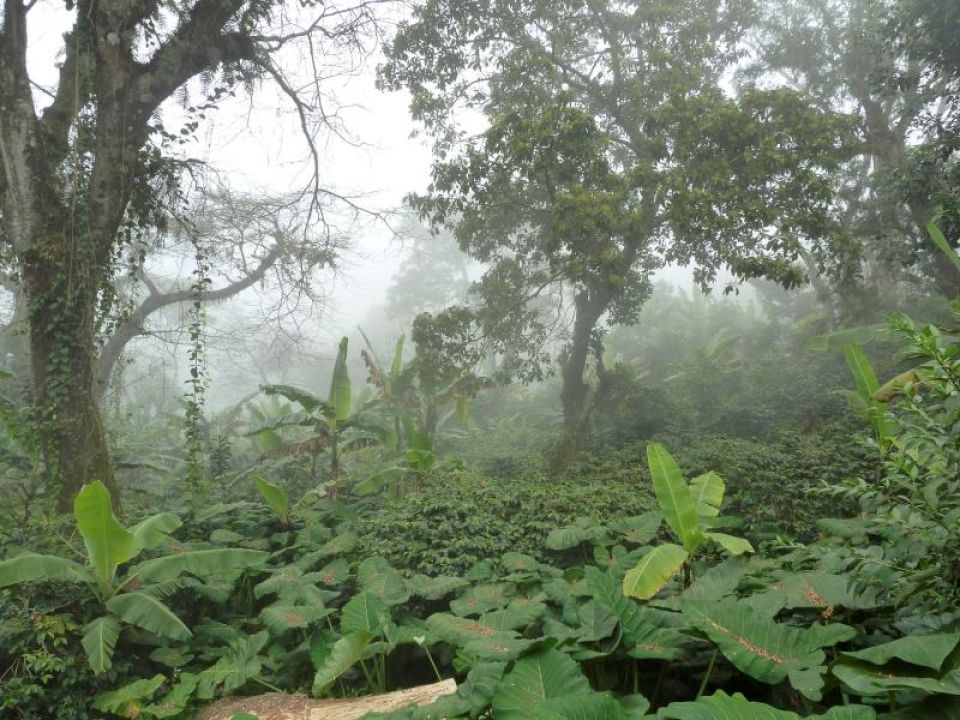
(133, 598)
(691, 511)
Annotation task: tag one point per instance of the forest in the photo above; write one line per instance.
(642, 400)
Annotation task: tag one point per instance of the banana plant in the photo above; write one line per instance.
(691, 510)
(132, 597)
(333, 421)
(865, 399)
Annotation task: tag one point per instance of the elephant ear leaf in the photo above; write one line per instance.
(537, 682)
(108, 543)
(674, 496)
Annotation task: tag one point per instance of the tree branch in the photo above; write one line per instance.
(133, 324)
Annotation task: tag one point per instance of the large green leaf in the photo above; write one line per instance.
(927, 651)
(639, 529)
(202, 563)
(98, 641)
(30, 567)
(174, 702)
(275, 497)
(108, 543)
(340, 384)
(730, 543)
(675, 499)
(872, 680)
(306, 400)
(346, 652)
(378, 577)
(154, 530)
(366, 613)
(654, 570)
(239, 662)
(127, 701)
(480, 599)
(280, 617)
(595, 706)
(460, 631)
(145, 611)
(760, 647)
(645, 637)
(862, 370)
(707, 493)
(940, 240)
(721, 706)
(547, 675)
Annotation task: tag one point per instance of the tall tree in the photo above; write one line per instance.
(612, 149)
(76, 173)
(863, 54)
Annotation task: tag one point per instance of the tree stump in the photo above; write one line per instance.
(278, 706)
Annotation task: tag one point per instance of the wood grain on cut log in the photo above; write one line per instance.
(277, 706)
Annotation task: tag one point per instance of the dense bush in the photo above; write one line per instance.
(460, 518)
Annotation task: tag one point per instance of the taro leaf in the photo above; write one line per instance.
(937, 707)
(872, 680)
(480, 599)
(127, 701)
(236, 665)
(174, 702)
(759, 647)
(635, 706)
(434, 588)
(639, 529)
(721, 706)
(596, 622)
(498, 647)
(345, 653)
(719, 581)
(376, 576)
(334, 573)
(514, 617)
(676, 501)
(547, 675)
(279, 618)
(342, 543)
(654, 570)
(645, 637)
(515, 562)
(145, 611)
(173, 657)
(570, 537)
(821, 591)
(594, 706)
(459, 631)
(99, 640)
(927, 651)
(365, 613)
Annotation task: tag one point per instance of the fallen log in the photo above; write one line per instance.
(278, 706)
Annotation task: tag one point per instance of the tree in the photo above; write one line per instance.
(245, 241)
(612, 150)
(868, 55)
(80, 176)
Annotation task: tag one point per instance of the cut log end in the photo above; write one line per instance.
(278, 706)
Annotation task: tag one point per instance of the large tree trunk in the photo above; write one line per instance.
(590, 306)
(61, 284)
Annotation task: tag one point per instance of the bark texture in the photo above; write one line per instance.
(276, 706)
